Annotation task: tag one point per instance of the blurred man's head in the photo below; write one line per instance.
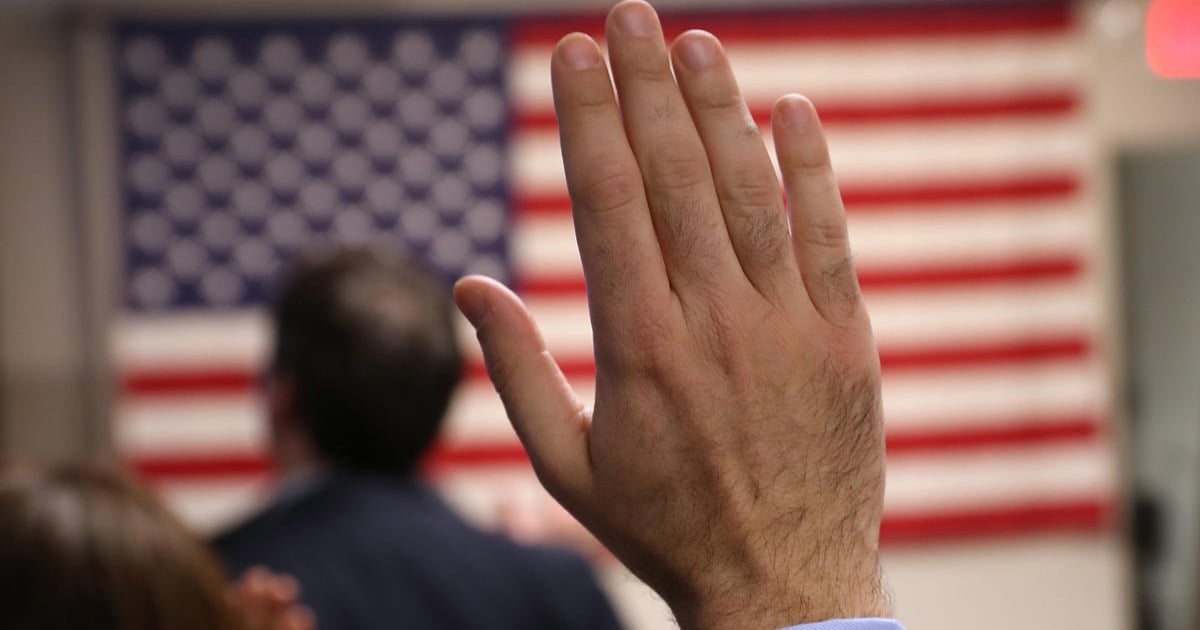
(365, 359)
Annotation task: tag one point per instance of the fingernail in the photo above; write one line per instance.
(698, 50)
(796, 111)
(636, 19)
(473, 305)
(579, 51)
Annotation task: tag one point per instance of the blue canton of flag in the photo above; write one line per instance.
(246, 143)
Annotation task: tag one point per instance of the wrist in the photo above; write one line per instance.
(808, 597)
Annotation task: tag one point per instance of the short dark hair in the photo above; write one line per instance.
(368, 341)
(84, 546)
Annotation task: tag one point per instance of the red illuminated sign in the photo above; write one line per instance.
(1173, 38)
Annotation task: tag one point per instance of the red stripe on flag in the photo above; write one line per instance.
(1022, 433)
(171, 382)
(150, 384)
(871, 198)
(955, 357)
(866, 198)
(976, 274)
(1067, 347)
(443, 457)
(173, 467)
(872, 23)
(856, 113)
(1083, 515)
(879, 278)
(1026, 432)
(447, 457)
(1093, 515)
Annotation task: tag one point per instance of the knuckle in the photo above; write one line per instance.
(842, 291)
(647, 346)
(830, 233)
(720, 325)
(607, 189)
(758, 225)
(729, 110)
(686, 236)
(839, 272)
(588, 98)
(726, 329)
(752, 190)
(720, 101)
(674, 170)
(764, 236)
(651, 337)
(749, 130)
(813, 160)
(664, 112)
(756, 207)
(649, 68)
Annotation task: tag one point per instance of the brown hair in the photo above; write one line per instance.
(83, 546)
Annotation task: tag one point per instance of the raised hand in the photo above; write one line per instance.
(734, 457)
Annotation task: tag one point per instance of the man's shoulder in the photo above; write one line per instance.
(322, 512)
(248, 541)
(258, 525)
(390, 516)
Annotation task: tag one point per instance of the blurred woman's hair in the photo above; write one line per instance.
(83, 546)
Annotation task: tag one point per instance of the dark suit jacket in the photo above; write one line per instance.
(376, 553)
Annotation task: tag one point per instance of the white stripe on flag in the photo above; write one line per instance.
(191, 341)
(933, 317)
(193, 425)
(938, 483)
(885, 154)
(544, 245)
(939, 400)
(895, 70)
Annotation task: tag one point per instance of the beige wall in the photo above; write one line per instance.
(41, 340)
(1133, 108)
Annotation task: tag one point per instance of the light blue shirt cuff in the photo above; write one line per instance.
(850, 624)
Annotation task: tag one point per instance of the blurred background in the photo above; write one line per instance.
(1022, 179)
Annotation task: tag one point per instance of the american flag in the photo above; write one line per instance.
(959, 134)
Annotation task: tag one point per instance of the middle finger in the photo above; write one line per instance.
(679, 185)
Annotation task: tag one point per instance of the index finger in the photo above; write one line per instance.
(622, 261)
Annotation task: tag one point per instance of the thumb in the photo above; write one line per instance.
(541, 405)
